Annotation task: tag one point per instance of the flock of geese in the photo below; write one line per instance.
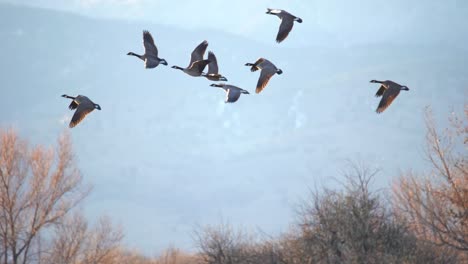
(82, 105)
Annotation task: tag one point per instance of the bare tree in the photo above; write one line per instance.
(222, 244)
(38, 187)
(75, 243)
(70, 235)
(353, 225)
(435, 204)
(175, 256)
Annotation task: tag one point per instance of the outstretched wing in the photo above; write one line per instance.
(389, 95)
(199, 65)
(381, 91)
(150, 47)
(232, 95)
(286, 26)
(199, 52)
(257, 64)
(213, 65)
(81, 112)
(264, 78)
(73, 105)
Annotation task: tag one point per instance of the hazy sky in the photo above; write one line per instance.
(351, 21)
(165, 153)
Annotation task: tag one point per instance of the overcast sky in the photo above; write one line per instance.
(351, 21)
(166, 153)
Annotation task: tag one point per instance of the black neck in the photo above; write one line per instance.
(136, 55)
(69, 97)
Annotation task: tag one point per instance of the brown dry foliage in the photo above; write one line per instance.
(38, 187)
(435, 204)
(75, 243)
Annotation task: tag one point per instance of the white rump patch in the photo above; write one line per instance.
(275, 11)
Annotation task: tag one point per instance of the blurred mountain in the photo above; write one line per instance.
(166, 153)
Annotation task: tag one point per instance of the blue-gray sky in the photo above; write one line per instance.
(165, 153)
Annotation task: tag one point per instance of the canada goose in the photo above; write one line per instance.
(389, 90)
(83, 106)
(232, 92)
(268, 70)
(213, 74)
(287, 22)
(151, 52)
(197, 63)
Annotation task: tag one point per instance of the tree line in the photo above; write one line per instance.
(421, 218)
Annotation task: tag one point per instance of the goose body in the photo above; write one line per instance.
(268, 69)
(197, 63)
(83, 106)
(232, 92)
(389, 90)
(150, 57)
(287, 22)
(213, 74)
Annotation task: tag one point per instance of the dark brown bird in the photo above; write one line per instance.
(232, 92)
(197, 63)
(268, 70)
(389, 90)
(83, 106)
(150, 57)
(287, 22)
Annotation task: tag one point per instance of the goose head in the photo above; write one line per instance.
(245, 92)
(223, 79)
(273, 11)
(298, 20)
(404, 88)
(217, 85)
(163, 62)
(96, 106)
(279, 71)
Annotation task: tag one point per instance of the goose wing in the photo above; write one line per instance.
(287, 23)
(257, 64)
(199, 65)
(148, 42)
(265, 76)
(381, 90)
(232, 94)
(83, 109)
(213, 65)
(389, 95)
(199, 52)
(73, 105)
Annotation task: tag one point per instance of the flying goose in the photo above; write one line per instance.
(389, 90)
(150, 57)
(213, 74)
(232, 92)
(268, 70)
(83, 106)
(287, 22)
(197, 63)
